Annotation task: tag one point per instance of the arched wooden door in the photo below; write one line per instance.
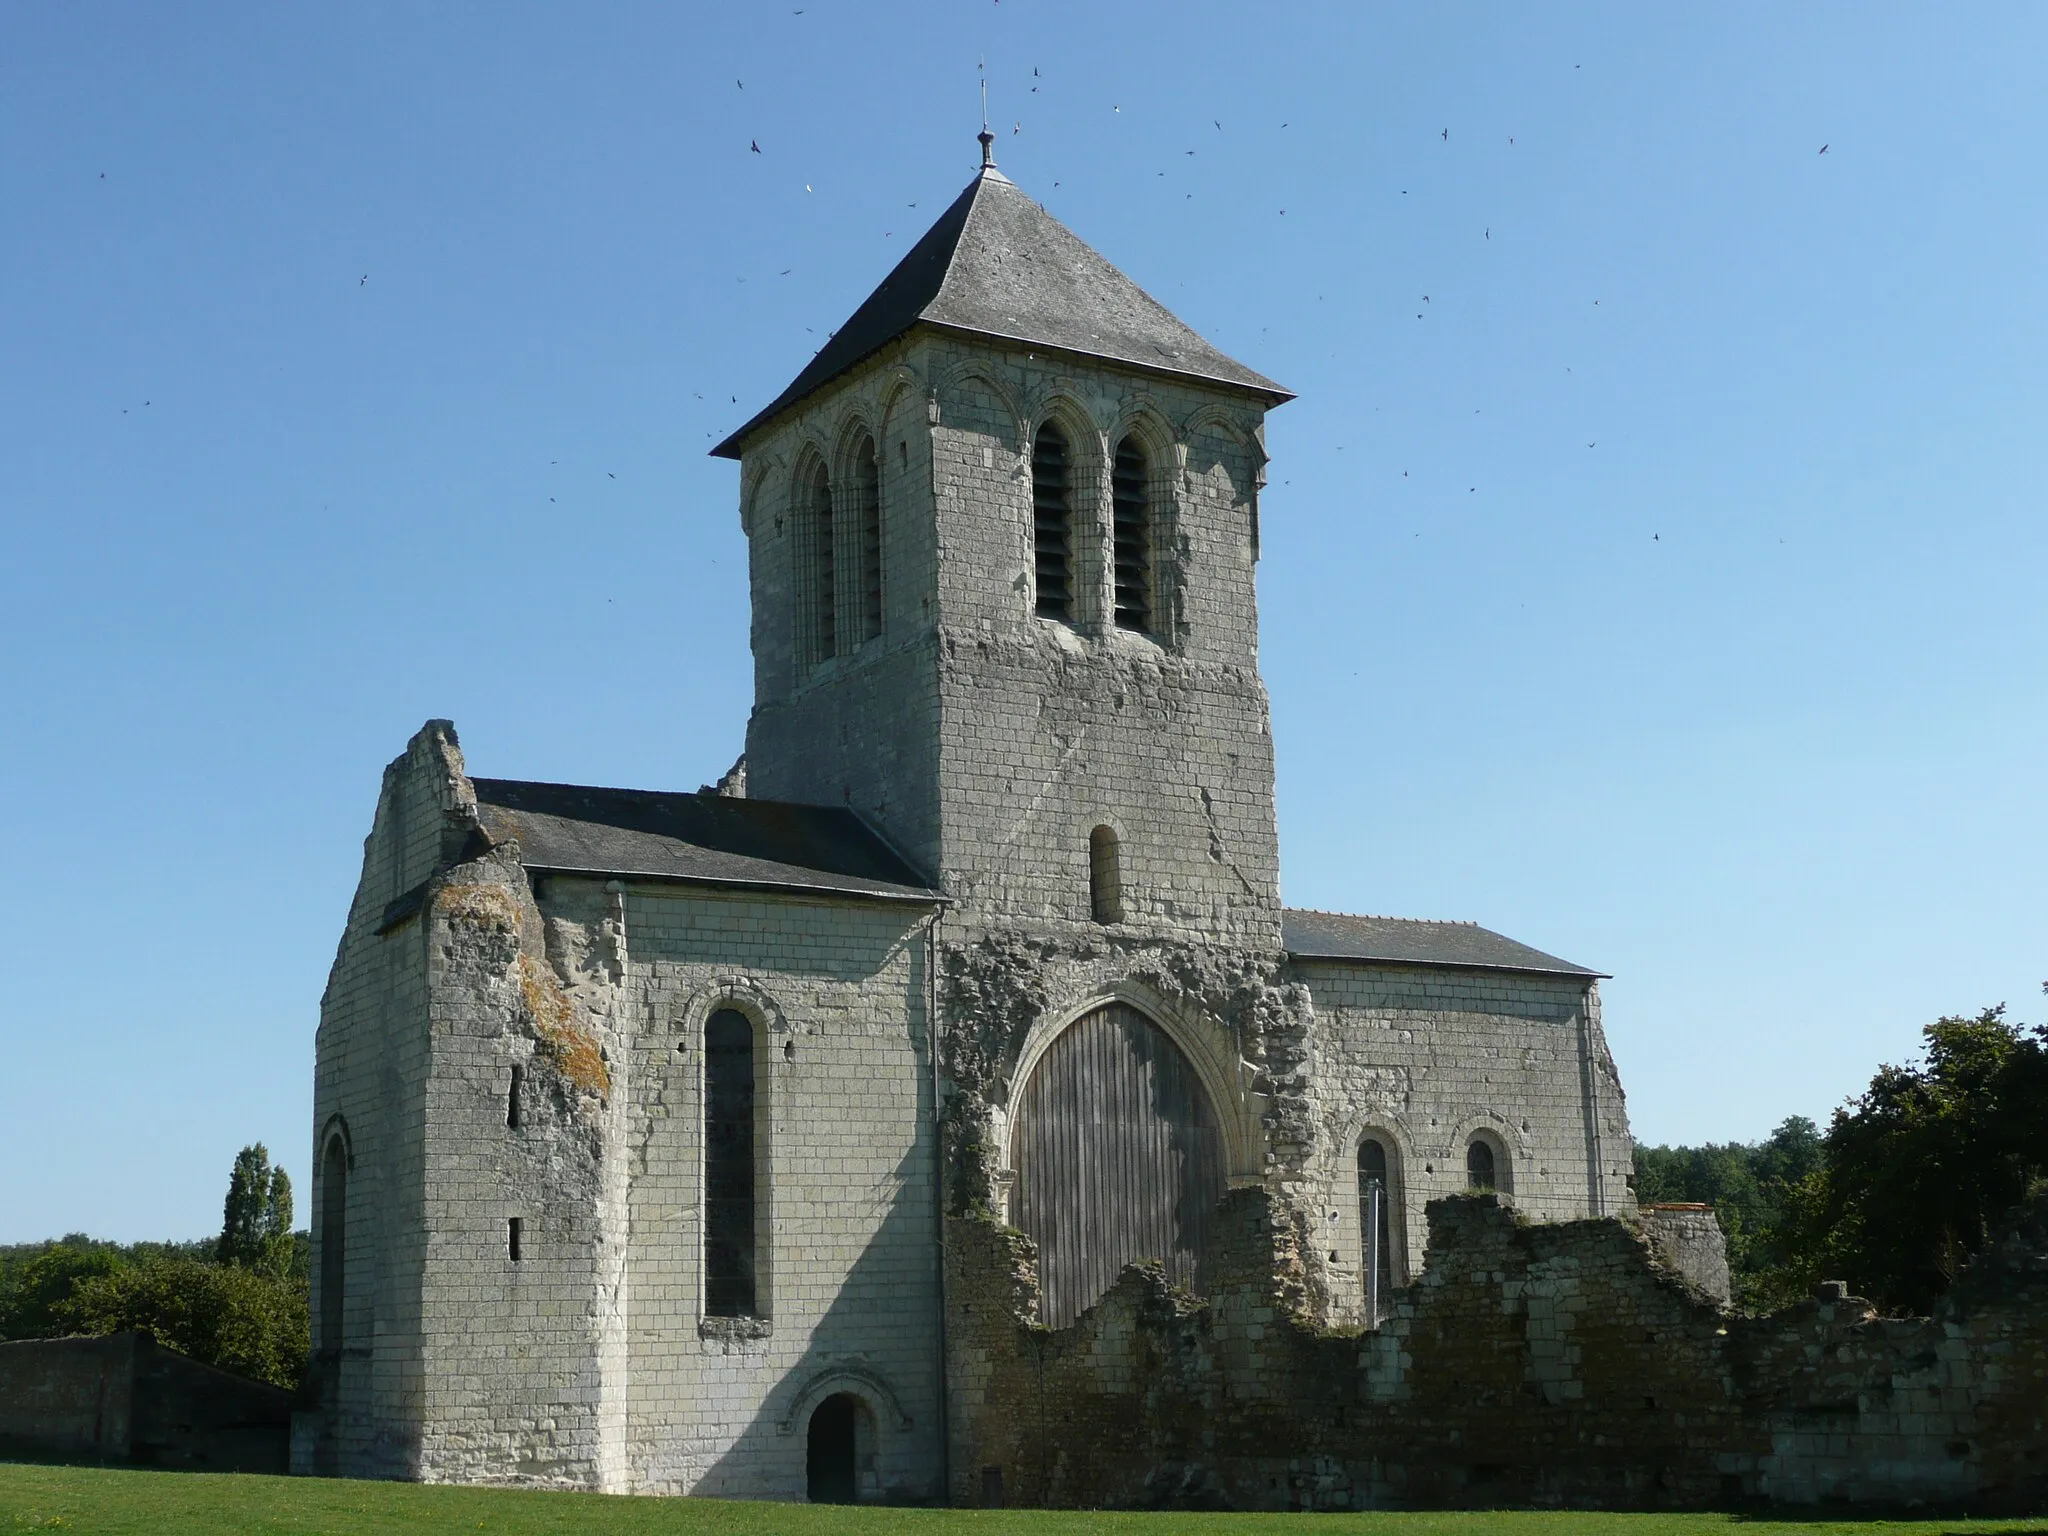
(1118, 1158)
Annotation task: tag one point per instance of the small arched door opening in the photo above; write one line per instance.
(839, 1460)
(1118, 1157)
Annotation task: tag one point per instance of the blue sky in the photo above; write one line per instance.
(1652, 560)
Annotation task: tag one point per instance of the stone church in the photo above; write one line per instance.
(645, 1121)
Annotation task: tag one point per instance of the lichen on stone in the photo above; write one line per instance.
(489, 907)
(572, 1049)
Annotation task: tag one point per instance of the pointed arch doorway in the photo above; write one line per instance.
(1118, 1158)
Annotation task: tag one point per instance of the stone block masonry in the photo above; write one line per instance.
(1531, 1364)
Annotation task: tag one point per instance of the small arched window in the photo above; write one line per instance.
(1482, 1167)
(867, 496)
(1105, 877)
(1052, 521)
(1375, 1226)
(729, 1236)
(1131, 497)
(333, 1241)
(818, 575)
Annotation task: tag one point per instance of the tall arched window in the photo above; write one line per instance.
(1375, 1226)
(729, 1237)
(333, 1241)
(1131, 497)
(867, 495)
(1105, 878)
(1052, 521)
(1482, 1170)
(817, 575)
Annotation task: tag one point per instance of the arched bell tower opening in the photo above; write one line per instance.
(1118, 1159)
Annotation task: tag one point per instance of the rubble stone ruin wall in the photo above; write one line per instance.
(1561, 1364)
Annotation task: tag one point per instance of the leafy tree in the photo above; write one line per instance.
(32, 1303)
(237, 1317)
(1927, 1163)
(256, 1226)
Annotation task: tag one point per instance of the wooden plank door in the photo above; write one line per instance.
(1118, 1159)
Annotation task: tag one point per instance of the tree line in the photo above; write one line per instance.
(237, 1301)
(1910, 1178)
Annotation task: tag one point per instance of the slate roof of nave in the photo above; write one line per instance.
(706, 838)
(997, 264)
(711, 839)
(1310, 935)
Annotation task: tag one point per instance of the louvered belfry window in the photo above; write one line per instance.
(867, 490)
(820, 572)
(1130, 493)
(1052, 516)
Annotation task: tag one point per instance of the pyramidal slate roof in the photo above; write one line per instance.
(997, 264)
(1311, 935)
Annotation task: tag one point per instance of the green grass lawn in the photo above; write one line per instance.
(91, 1499)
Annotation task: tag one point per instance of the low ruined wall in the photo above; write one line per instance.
(126, 1398)
(1688, 1237)
(67, 1397)
(1561, 1364)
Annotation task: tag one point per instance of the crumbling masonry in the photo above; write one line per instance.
(787, 1139)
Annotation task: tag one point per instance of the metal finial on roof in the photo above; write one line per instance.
(988, 140)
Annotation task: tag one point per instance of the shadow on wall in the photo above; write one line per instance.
(856, 1419)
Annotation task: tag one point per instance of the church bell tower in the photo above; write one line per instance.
(1003, 531)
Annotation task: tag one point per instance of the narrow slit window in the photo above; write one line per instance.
(867, 484)
(729, 1279)
(1052, 521)
(1130, 495)
(512, 1097)
(1481, 1173)
(514, 1230)
(1105, 878)
(820, 571)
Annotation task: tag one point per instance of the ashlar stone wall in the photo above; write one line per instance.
(371, 1067)
(984, 740)
(1424, 1058)
(585, 1358)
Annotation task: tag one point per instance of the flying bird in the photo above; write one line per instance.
(1823, 149)
(754, 145)
(1447, 135)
